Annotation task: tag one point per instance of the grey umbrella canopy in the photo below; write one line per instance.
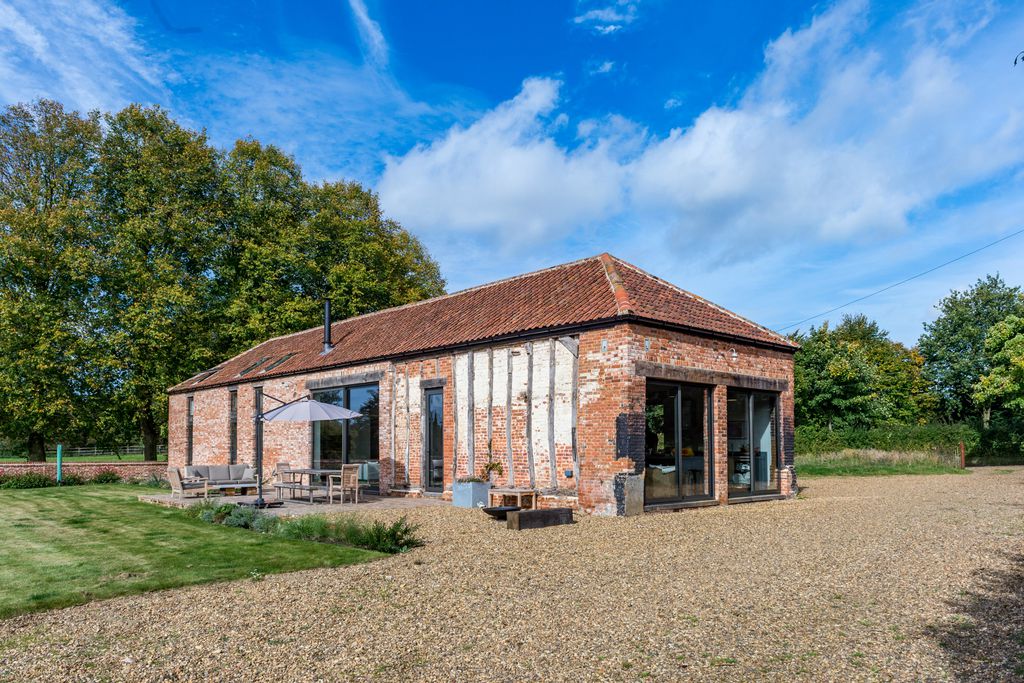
(308, 410)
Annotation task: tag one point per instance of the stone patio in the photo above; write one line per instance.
(292, 508)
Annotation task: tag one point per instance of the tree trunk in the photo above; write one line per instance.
(150, 434)
(36, 447)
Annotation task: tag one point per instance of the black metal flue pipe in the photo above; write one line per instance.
(327, 326)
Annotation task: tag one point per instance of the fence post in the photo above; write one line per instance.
(60, 455)
(963, 456)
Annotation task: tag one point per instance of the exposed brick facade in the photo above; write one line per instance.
(610, 390)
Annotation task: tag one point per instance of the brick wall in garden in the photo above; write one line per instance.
(126, 470)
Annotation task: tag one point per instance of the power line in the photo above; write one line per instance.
(903, 282)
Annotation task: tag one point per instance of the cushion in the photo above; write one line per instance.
(198, 471)
(236, 471)
(249, 474)
(220, 472)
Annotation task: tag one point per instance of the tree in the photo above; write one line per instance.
(1003, 385)
(160, 214)
(953, 345)
(47, 273)
(899, 384)
(833, 382)
(293, 244)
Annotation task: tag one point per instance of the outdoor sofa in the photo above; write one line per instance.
(204, 478)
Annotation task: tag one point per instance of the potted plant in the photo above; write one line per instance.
(470, 492)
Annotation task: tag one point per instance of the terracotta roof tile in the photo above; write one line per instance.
(586, 291)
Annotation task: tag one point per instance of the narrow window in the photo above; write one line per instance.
(258, 440)
(189, 423)
(233, 427)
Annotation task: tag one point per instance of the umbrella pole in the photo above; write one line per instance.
(260, 503)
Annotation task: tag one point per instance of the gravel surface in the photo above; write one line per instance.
(885, 578)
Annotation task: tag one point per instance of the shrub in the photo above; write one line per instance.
(397, 537)
(71, 479)
(26, 480)
(928, 438)
(107, 477)
(471, 480)
(155, 481)
(308, 528)
(264, 523)
(196, 511)
(242, 517)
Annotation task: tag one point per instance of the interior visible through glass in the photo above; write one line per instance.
(676, 444)
(752, 442)
(349, 441)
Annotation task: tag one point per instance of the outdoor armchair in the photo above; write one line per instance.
(183, 485)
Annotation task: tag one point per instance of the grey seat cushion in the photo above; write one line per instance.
(220, 472)
(249, 473)
(198, 471)
(236, 471)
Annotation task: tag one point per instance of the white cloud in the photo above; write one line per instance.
(504, 177)
(375, 45)
(85, 53)
(673, 103)
(603, 68)
(607, 18)
(840, 139)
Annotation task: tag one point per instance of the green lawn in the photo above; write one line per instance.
(858, 466)
(66, 546)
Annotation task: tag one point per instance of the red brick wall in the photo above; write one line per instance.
(130, 471)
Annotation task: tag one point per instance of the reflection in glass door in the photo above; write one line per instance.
(752, 443)
(677, 462)
(433, 447)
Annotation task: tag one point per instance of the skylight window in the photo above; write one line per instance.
(205, 375)
(277, 362)
(255, 365)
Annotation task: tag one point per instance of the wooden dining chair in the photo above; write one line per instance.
(345, 482)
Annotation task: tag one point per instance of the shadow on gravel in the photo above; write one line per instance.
(985, 638)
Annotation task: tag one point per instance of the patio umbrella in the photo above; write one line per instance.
(302, 410)
(308, 410)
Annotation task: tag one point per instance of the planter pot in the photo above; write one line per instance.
(470, 494)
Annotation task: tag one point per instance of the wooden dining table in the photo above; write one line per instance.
(301, 479)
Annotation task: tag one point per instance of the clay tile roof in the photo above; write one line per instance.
(596, 289)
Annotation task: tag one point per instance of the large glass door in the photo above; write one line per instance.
(433, 447)
(753, 445)
(677, 451)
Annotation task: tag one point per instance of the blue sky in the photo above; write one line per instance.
(777, 158)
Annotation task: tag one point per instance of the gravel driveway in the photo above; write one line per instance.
(888, 578)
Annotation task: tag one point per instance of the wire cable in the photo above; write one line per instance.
(903, 282)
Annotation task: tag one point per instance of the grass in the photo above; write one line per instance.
(872, 463)
(69, 546)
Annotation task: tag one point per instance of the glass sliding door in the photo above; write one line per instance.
(349, 441)
(677, 451)
(753, 443)
(433, 448)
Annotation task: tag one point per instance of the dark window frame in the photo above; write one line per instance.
(709, 434)
(190, 421)
(233, 426)
(346, 392)
(777, 439)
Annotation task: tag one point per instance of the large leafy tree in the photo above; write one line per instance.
(953, 345)
(47, 274)
(898, 379)
(1003, 385)
(159, 211)
(293, 244)
(833, 382)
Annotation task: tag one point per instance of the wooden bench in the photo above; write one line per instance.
(506, 494)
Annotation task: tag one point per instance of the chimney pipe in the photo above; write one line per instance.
(327, 326)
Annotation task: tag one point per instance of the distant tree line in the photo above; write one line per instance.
(134, 254)
(966, 371)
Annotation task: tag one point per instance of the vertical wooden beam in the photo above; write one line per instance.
(393, 417)
(508, 419)
(455, 419)
(575, 416)
(470, 417)
(553, 462)
(408, 425)
(529, 413)
(490, 403)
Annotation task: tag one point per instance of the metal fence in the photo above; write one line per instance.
(126, 453)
